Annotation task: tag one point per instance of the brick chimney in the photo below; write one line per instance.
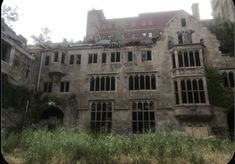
(195, 11)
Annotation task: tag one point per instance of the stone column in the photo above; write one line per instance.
(205, 90)
(176, 59)
(201, 57)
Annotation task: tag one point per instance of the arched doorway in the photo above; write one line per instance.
(230, 121)
(52, 117)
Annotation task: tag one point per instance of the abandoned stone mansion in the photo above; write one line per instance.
(131, 74)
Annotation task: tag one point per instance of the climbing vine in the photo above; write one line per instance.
(218, 94)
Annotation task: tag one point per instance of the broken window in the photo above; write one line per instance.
(142, 82)
(183, 22)
(102, 83)
(176, 92)
(129, 56)
(63, 58)
(64, 86)
(47, 60)
(47, 87)
(180, 38)
(103, 57)
(71, 60)
(56, 56)
(6, 51)
(101, 116)
(173, 60)
(78, 58)
(192, 91)
(143, 116)
(146, 55)
(115, 57)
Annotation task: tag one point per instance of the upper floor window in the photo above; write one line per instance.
(191, 90)
(56, 56)
(130, 56)
(78, 58)
(228, 79)
(63, 58)
(144, 34)
(71, 60)
(64, 86)
(184, 37)
(102, 83)
(92, 58)
(183, 22)
(103, 57)
(188, 58)
(146, 55)
(5, 51)
(47, 87)
(142, 82)
(115, 57)
(150, 35)
(47, 60)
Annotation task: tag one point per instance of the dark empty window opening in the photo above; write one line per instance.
(186, 63)
(78, 58)
(71, 61)
(231, 79)
(176, 92)
(103, 57)
(191, 58)
(64, 86)
(6, 51)
(180, 59)
(197, 58)
(143, 116)
(56, 56)
(180, 38)
(183, 22)
(129, 56)
(173, 60)
(95, 58)
(101, 116)
(27, 74)
(63, 58)
(102, 83)
(47, 87)
(47, 60)
(89, 58)
(146, 55)
(115, 57)
(92, 58)
(142, 82)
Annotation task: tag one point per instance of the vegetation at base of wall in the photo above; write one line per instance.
(224, 32)
(13, 95)
(40, 102)
(218, 94)
(76, 146)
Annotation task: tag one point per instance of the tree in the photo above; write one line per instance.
(224, 32)
(42, 38)
(10, 14)
(218, 94)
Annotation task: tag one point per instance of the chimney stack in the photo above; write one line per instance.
(195, 11)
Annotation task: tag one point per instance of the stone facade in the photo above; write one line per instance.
(130, 84)
(134, 88)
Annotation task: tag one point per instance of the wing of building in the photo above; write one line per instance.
(136, 74)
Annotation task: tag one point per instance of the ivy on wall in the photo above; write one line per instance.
(218, 94)
(13, 95)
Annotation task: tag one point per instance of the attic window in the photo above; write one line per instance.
(183, 22)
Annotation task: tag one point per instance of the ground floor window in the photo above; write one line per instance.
(101, 116)
(143, 116)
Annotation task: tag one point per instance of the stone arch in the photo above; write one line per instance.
(52, 117)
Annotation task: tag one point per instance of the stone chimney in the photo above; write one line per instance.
(195, 11)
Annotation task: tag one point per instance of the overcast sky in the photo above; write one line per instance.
(67, 18)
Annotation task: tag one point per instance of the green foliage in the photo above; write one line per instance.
(76, 146)
(218, 94)
(13, 95)
(10, 141)
(224, 32)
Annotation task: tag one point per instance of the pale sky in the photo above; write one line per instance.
(67, 18)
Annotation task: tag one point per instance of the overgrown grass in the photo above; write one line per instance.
(75, 146)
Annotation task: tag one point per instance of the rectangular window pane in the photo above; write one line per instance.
(95, 58)
(62, 87)
(71, 61)
(47, 59)
(149, 56)
(56, 55)
(78, 59)
(129, 56)
(113, 57)
(63, 58)
(103, 57)
(117, 56)
(89, 58)
(183, 22)
(67, 86)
